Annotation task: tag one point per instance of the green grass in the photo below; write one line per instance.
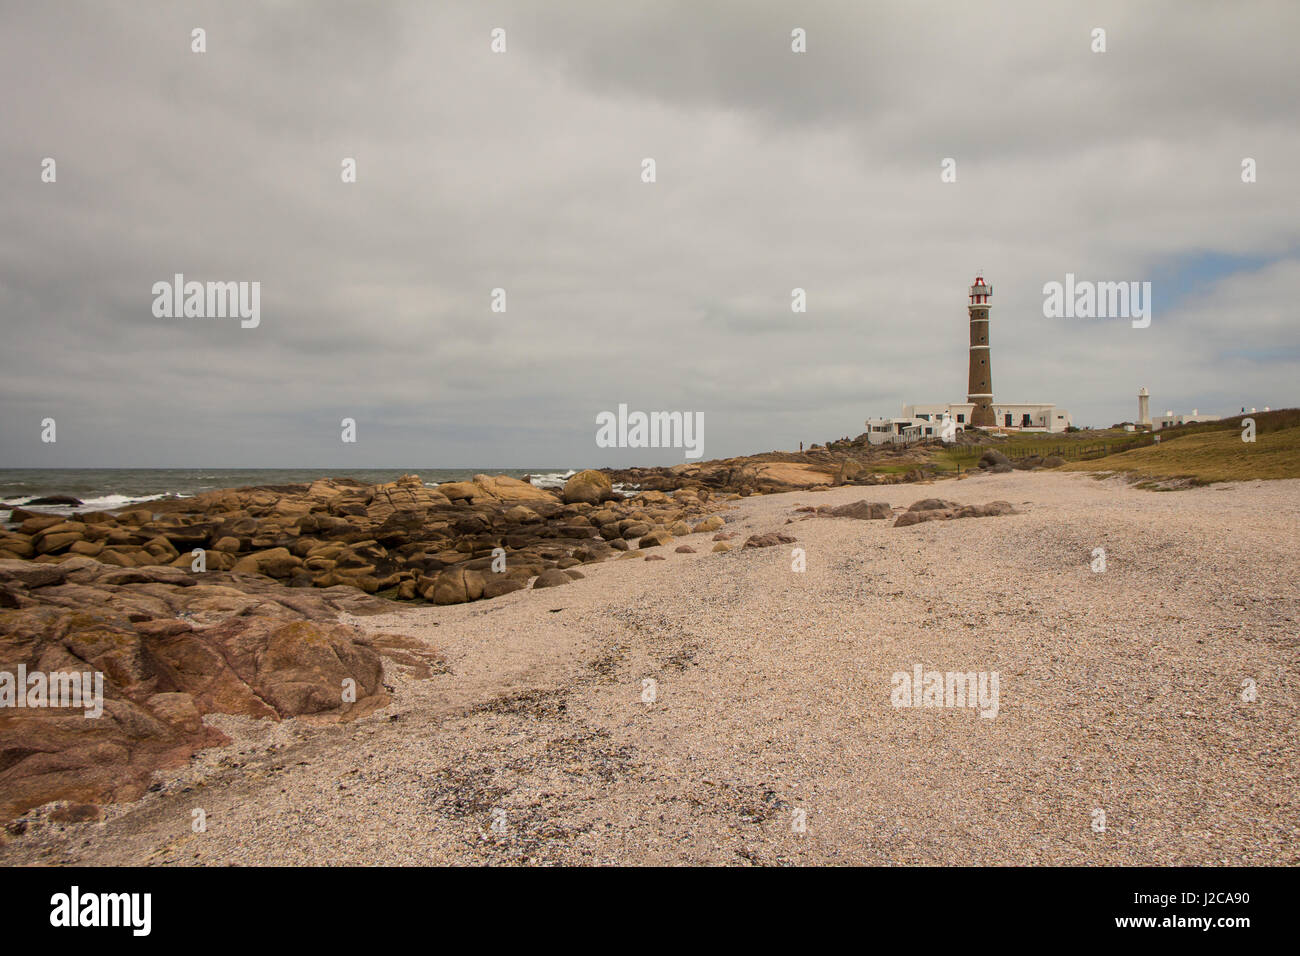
(891, 469)
(1213, 451)
(1068, 445)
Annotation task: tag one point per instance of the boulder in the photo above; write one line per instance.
(654, 538)
(552, 578)
(991, 510)
(53, 543)
(992, 457)
(863, 510)
(590, 486)
(848, 470)
(456, 586)
(519, 514)
(460, 490)
(932, 504)
(496, 585)
(916, 517)
(511, 489)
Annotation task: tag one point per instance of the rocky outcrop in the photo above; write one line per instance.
(936, 509)
(461, 541)
(168, 650)
(227, 603)
(774, 472)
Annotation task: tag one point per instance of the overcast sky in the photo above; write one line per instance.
(522, 170)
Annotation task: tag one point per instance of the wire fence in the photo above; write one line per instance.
(1069, 450)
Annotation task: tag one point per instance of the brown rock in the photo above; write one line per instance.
(552, 578)
(32, 575)
(589, 486)
(511, 489)
(864, 510)
(933, 504)
(496, 585)
(654, 538)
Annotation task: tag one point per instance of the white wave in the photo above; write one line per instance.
(553, 479)
(110, 502)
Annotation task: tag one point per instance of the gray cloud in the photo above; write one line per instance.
(521, 171)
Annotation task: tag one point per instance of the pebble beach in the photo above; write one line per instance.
(725, 709)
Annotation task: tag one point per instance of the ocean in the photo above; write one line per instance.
(109, 489)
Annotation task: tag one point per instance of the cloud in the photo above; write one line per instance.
(522, 171)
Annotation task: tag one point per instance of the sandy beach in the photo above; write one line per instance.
(771, 738)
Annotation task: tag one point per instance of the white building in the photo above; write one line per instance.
(1169, 419)
(894, 431)
(1026, 416)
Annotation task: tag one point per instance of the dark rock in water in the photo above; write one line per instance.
(56, 500)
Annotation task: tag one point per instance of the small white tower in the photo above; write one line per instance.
(1144, 406)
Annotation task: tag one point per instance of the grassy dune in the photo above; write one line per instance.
(1213, 451)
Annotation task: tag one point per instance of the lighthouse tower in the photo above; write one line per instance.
(980, 390)
(1144, 407)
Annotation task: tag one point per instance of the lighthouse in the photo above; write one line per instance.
(979, 392)
(1144, 407)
